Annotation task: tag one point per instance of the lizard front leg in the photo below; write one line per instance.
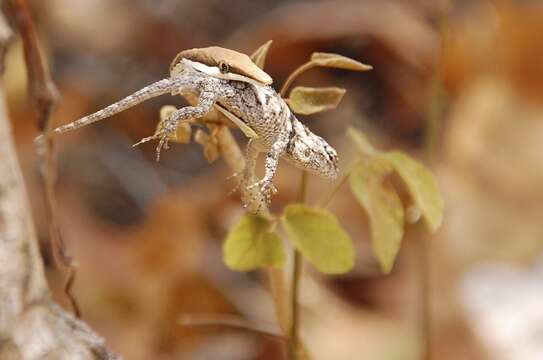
(205, 102)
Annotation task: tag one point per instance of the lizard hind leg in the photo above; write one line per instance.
(265, 185)
(257, 192)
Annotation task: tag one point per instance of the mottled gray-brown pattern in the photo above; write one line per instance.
(258, 105)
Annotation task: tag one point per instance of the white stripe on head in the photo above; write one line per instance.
(216, 72)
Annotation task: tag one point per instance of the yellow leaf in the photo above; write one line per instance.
(338, 61)
(361, 142)
(383, 206)
(211, 152)
(259, 56)
(251, 244)
(209, 145)
(308, 100)
(201, 137)
(317, 234)
(422, 187)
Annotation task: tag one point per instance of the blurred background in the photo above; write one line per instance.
(147, 236)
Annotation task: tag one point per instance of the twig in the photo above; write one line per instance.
(328, 197)
(233, 157)
(43, 91)
(31, 324)
(6, 36)
(230, 321)
(308, 65)
(293, 338)
(296, 350)
(44, 95)
(433, 126)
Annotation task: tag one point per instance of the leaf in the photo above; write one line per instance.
(338, 61)
(209, 145)
(259, 56)
(251, 245)
(317, 234)
(361, 142)
(383, 206)
(422, 187)
(307, 100)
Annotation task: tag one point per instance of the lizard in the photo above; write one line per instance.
(232, 83)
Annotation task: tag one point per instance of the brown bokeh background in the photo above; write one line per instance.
(147, 236)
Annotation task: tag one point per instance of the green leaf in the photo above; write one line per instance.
(422, 187)
(338, 61)
(259, 56)
(317, 234)
(361, 142)
(251, 244)
(308, 100)
(383, 206)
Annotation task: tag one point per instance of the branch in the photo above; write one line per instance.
(44, 96)
(32, 326)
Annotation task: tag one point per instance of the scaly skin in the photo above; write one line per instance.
(259, 106)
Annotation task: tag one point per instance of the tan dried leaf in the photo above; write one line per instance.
(308, 100)
(338, 61)
(209, 145)
(259, 56)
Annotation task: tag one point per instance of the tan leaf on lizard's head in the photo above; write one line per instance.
(228, 61)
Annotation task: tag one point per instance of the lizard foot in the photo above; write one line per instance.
(266, 189)
(235, 176)
(167, 133)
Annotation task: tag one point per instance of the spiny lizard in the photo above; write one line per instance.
(231, 82)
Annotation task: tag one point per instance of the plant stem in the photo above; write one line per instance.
(326, 199)
(424, 288)
(308, 65)
(295, 314)
(293, 337)
(434, 120)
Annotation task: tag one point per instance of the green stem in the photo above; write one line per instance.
(295, 313)
(293, 337)
(326, 199)
(434, 114)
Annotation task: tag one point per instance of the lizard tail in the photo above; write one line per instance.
(155, 89)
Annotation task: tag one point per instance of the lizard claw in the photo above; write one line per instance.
(167, 132)
(266, 189)
(144, 140)
(235, 176)
(164, 135)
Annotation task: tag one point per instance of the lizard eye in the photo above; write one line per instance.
(224, 67)
(307, 153)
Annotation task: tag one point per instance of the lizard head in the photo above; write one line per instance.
(220, 63)
(312, 153)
